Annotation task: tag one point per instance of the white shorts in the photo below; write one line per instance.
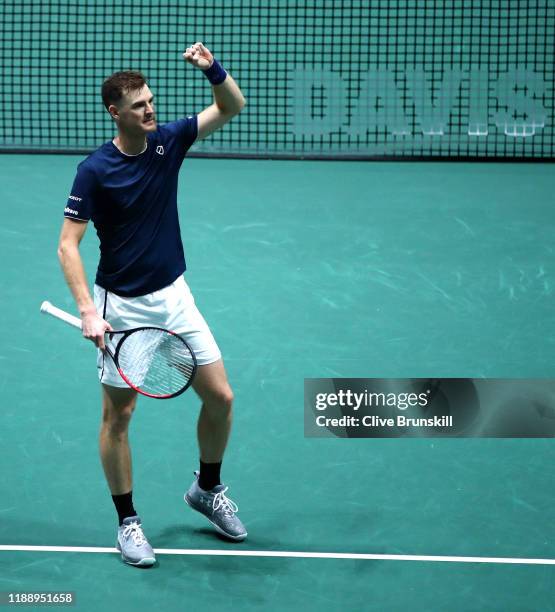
(172, 307)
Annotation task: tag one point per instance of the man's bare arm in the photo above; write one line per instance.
(72, 233)
(228, 98)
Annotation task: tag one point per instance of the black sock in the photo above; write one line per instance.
(124, 506)
(209, 475)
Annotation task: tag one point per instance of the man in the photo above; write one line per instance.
(128, 187)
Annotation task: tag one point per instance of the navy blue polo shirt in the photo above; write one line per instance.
(132, 201)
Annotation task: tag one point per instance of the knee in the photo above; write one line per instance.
(116, 420)
(221, 399)
(228, 397)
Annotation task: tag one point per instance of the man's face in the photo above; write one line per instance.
(135, 112)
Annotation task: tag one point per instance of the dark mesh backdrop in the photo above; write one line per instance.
(454, 78)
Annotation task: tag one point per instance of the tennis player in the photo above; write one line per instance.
(128, 188)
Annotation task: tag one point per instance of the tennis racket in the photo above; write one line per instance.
(153, 361)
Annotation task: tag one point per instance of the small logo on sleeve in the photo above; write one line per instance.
(160, 150)
(72, 197)
(69, 210)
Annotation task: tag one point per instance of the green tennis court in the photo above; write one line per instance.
(346, 276)
(303, 269)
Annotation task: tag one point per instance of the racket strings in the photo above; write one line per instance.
(156, 361)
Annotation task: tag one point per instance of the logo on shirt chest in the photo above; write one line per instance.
(160, 150)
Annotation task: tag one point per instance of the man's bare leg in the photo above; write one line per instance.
(117, 408)
(206, 495)
(214, 422)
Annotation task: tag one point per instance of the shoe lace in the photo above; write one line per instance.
(228, 506)
(135, 531)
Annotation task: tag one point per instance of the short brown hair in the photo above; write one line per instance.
(121, 83)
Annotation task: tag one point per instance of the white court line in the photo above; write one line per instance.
(287, 554)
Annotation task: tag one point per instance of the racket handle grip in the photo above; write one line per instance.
(48, 308)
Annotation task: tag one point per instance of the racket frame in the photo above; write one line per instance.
(115, 358)
(58, 313)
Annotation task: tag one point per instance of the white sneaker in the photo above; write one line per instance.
(217, 508)
(132, 543)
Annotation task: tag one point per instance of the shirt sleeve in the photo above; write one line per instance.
(185, 131)
(80, 204)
